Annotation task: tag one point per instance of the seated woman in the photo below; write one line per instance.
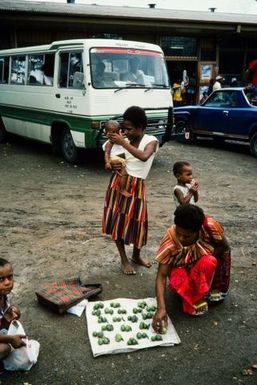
(195, 256)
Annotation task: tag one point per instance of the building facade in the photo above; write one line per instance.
(197, 45)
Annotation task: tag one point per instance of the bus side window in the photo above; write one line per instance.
(63, 69)
(35, 74)
(18, 70)
(41, 70)
(48, 70)
(75, 70)
(4, 69)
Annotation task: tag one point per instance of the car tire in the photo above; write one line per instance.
(253, 145)
(3, 133)
(68, 149)
(183, 132)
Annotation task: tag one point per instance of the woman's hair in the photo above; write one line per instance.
(3, 262)
(189, 217)
(178, 167)
(136, 115)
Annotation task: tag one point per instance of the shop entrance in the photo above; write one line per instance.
(176, 70)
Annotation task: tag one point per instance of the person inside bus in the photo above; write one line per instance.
(47, 75)
(98, 75)
(134, 75)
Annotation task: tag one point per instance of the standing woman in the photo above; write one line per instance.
(125, 218)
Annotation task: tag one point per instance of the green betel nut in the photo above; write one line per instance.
(118, 338)
(142, 304)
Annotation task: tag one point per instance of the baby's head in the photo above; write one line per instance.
(112, 126)
(6, 277)
(183, 172)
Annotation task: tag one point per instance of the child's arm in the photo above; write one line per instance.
(144, 155)
(194, 189)
(15, 341)
(180, 197)
(13, 313)
(107, 154)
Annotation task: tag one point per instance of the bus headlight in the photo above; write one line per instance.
(95, 125)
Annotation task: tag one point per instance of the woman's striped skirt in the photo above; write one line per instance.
(126, 218)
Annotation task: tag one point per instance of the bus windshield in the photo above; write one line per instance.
(127, 68)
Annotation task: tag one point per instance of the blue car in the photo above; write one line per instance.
(228, 113)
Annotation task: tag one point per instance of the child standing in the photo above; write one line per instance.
(114, 152)
(7, 313)
(186, 189)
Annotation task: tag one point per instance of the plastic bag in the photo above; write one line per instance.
(22, 358)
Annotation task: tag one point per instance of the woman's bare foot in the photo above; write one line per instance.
(141, 261)
(127, 269)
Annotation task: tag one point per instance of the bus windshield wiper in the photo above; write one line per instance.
(135, 85)
(131, 85)
(160, 85)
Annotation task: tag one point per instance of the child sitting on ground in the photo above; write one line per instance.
(7, 313)
(114, 152)
(186, 189)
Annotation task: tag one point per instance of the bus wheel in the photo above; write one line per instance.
(69, 150)
(3, 133)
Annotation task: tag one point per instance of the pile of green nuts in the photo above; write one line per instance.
(98, 305)
(125, 328)
(108, 328)
(141, 335)
(132, 318)
(132, 341)
(103, 341)
(143, 325)
(108, 311)
(115, 304)
(101, 319)
(122, 311)
(157, 337)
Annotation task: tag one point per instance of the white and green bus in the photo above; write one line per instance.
(64, 92)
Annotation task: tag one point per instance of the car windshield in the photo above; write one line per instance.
(127, 68)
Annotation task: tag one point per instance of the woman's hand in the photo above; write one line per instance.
(160, 321)
(116, 138)
(116, 166)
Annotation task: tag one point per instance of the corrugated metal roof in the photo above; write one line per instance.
(124, 12)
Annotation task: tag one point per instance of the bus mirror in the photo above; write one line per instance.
(78, 80)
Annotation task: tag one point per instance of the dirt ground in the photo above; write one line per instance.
(50, 228)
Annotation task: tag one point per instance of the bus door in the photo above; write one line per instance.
(70, 87)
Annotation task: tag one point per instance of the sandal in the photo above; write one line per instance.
(200, 309)
(216, 296)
